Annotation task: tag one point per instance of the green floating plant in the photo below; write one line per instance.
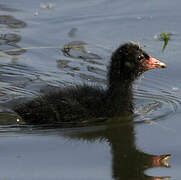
(165, 37)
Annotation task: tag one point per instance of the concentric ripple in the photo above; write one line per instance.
(155, 105)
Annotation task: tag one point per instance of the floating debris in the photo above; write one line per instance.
(36, 13)
(175, 89)
(47, 5)
(76, 49)
(163, 37)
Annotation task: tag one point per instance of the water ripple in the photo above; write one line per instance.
(155, 105)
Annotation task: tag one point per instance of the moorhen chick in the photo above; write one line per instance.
(81, 103)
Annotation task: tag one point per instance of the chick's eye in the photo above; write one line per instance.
(140, 57)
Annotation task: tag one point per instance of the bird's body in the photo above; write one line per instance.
(82, 103)
(73, 104)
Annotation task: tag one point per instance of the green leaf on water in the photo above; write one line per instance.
(165, 37)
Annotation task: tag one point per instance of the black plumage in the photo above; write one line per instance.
(81, 103)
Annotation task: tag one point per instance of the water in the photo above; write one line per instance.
(94, 29)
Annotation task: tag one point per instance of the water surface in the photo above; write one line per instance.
(136, 149)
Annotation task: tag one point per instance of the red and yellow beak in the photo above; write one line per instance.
(155, 63)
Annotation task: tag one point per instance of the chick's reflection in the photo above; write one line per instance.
(128, 162)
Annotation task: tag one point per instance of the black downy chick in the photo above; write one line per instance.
(82, 102)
